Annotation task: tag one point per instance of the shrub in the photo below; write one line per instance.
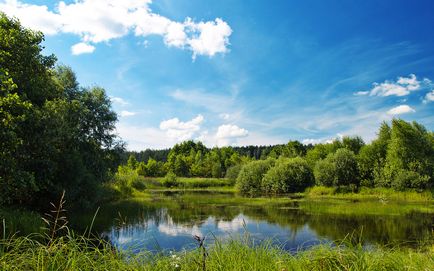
(232, 173)
(409, 179)
(338, 169)
(139, 184)
(249, 180)
(124, 181)
(325, 172)
(346, 167)
(170, 180)
(321, 191)
(288, 176)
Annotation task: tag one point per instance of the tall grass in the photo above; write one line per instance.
(81, 253)
(19, 222)
(365, 193)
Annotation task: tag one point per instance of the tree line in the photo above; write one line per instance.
(401, 157)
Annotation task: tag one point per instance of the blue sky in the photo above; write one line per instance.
(245, 72)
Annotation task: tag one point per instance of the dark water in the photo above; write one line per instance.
(168, 221)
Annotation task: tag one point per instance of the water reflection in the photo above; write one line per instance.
(169, 221)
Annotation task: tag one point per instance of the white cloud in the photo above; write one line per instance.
(119, 101)
(313, 141)
(210, 37)
(82, 48)
(225, 116)
(140, 138)
(227, 134)
(361, 93)
(401, 109)
(96, 21)
(34, 16)
(125, 113)
(429, 97)
(181, 130)
(402, 87)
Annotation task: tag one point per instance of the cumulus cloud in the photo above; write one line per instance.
(125, 113)
(401, 109)
(227, 134)
(429, 97)
(181, 130)
(96, 21)
(82, 48)
(401, 87)
(140, 138)
(118, 101)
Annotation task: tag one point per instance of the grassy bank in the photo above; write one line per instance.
(365, 193)
(189, 183)
(19, 222)
(80, 253)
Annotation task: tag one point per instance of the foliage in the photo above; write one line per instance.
(288, 176)
(411, 148)
(405, 179)
(249, 179)
(325, 172)
(233, 172)
(337, 169)
(55, 135)
(81, 253)
(170, 180)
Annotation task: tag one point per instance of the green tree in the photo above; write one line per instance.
(288, 176)
(249, 179)
(411, 148)
(346, 167)
(64, 135)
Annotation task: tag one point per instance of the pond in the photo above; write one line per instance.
(164, 221)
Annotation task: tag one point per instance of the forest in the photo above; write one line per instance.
(401, 157)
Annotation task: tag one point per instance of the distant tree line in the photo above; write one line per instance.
(401, 157)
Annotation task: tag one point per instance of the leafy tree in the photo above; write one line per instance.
(132, 162)
(325, 172)
(353, 144)
(249, 179)
(288, 176)
(410, 148)
(56, 135)
(337, 169)
(346, 167)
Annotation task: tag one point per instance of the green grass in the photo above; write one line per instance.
(81, 253)
(189, 183)
(365, 193)
(19, 222)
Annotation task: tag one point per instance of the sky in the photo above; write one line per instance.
(251, 72)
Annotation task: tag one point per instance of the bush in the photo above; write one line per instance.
(325, 172)
(288, 176)
(409, 179)
(249, 180)
(139, 184)
(170, 180)
(346, 167)
(232, 173)
(338, 169)
(321, 191)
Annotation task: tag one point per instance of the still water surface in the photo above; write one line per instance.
(169, 220)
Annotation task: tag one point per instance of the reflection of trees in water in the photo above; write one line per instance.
(404, 229)
(192, 210)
